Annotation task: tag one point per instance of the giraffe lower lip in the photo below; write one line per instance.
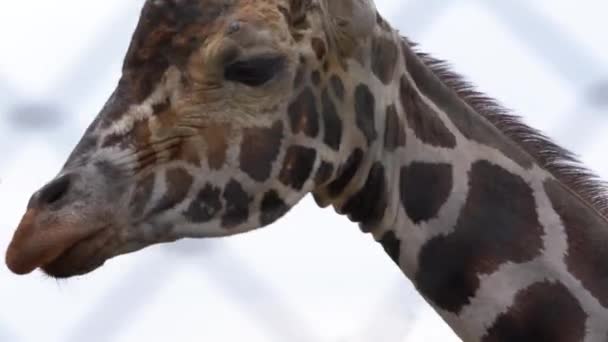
(79, 259)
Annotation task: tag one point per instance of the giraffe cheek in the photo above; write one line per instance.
(260, 147)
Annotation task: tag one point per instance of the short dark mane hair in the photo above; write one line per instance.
(560, 162)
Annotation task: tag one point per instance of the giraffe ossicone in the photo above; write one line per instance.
(228, 112)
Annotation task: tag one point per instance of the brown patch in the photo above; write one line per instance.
(272, 208)
(161, 107)
(303, 114)
(394, 133)
(324, 173)
(384, 59)
(332, 124)
(216, 139)
(259, 149)
(338, 86)
(346, 173)
(422, 119)
(178, 183)
(319, 47)
(142, 194)
(542, 312)
(182, 148)
(497, 224)
(472, 125)
(365, 110)
(237, 205)
(205, 206)
(424, 189)
(297, 166)
(315, 76)
(587, 256)
(368, 205)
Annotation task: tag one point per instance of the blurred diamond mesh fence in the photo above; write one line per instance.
(535, 56)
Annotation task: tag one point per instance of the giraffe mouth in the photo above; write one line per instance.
(59, 250)
(80, 258)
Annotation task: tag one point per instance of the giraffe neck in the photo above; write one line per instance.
(499, 246)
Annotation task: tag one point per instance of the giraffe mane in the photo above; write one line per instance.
(563, 164)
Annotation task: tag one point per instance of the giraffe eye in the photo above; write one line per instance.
(256, 71)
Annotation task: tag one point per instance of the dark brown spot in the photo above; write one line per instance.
(303, 114)
(318, 46)
(259, 149)
(497, 224)
(368, 205)
(297, 36)
(587, 256)
(471, 124)
(365, 106)
(422, 119)
(186, 149)
(324, 173)
(205, 206)
(384, 59)
(162, 106)
(237, 205)
(346, 173)
(273, 207)
(424, 189)
(331, 121)
(542, 312)
(337, 86)
(392, 245)
(394, 133)
(326, 66)
(297, 166)
(142, 194)
(315, 76)
(178, 182)
(216, 137)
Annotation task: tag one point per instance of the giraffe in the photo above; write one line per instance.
(229, 112)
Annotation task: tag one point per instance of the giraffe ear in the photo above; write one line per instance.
(351, 21)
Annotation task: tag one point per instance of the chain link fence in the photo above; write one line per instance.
(312, 276)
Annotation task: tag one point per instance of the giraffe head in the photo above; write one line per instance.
(225, 116)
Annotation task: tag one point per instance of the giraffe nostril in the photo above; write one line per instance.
(52, 192)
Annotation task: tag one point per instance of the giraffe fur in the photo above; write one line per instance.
(229, 112)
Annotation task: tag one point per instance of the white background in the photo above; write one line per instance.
(312, 276)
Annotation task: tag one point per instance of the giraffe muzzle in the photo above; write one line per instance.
(64, 229)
